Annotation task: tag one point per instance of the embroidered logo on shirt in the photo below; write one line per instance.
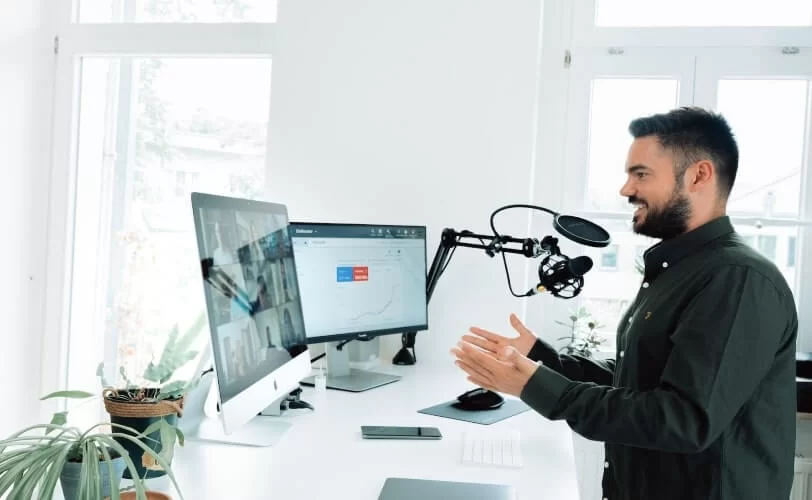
(648, 315)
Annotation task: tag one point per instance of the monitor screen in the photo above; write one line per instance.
(251, 290)
(359, 279)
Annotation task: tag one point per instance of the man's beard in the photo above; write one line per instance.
(664, 222)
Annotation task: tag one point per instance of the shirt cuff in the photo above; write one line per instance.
(544, 389)
(544, 352)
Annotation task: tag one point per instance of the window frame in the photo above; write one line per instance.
(72, 42)
(587, 34)
(571, 33)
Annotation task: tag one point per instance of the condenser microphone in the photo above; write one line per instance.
(561, 276)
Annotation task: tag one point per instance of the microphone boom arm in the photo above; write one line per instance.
(555, 265)
(449, 240)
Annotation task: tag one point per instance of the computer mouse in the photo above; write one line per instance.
(479, 399)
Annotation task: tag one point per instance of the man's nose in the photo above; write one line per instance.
(626, 190)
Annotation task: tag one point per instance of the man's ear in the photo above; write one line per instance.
(700, 175)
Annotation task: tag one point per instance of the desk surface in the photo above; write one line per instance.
(324, 457)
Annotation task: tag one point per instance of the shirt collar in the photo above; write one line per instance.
(669, 252)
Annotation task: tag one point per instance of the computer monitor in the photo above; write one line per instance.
(359, 281)
(257, 336)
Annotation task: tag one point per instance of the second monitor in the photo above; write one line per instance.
(359, 281)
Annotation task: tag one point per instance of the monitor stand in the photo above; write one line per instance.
(340, 376)
(198, 424)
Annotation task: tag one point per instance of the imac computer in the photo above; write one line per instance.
(257, 337)
(359, 281)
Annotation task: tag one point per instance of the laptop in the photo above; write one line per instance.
(398, 488)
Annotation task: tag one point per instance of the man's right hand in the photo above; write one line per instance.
(493, 342)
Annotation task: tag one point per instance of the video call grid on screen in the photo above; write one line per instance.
(358, 279)
(255, 310)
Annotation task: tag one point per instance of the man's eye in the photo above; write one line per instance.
(641, 175)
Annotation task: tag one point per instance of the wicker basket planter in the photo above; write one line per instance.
(138, 409)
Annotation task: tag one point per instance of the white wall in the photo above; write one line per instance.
(26, 81)
(418, 112)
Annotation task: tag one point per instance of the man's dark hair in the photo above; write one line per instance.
(693, 134)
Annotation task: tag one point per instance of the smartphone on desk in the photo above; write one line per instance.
(396, 432)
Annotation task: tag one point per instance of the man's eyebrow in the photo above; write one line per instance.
(636, 168)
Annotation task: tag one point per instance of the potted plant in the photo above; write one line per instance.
(150, 404)
(88, 464)
(583, 338)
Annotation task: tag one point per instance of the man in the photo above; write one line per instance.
(699, 402)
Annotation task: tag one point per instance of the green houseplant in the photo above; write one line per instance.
(150, 404)
(88, 464)
(155, 399)
(583, 338)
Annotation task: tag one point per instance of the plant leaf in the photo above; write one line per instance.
(153, 427)
(123, 373)
(138, 484)
(54, 472)
(157, 456)
(59, 418)
(176, 353)
(114, 479)
(168, 438)
(100, 374)
(172, 388)
(181, 437)
(35, 474)
(68, 394)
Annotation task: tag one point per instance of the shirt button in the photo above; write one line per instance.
(606, 465)
(645, 285)
(665, 264)
(622, 353)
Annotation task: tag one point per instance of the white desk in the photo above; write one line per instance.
(324, 457)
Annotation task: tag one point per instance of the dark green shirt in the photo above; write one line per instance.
(699, 402)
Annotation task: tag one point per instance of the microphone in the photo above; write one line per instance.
(561, 276)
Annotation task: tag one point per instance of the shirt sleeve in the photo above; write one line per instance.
(577, 368)
(726, 342)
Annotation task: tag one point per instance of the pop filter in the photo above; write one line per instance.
(581, 230)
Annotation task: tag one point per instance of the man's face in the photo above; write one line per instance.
(662, 207)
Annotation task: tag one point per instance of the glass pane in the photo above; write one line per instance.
(645, 13)
(609, 257)
(791, 252)
(615, 103)
(608, 291)
(768, 119)
(176, 11)
(775, 243)
(151, 132)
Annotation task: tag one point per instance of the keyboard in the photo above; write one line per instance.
(498, 448)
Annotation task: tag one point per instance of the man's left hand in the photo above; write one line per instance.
(506, 372)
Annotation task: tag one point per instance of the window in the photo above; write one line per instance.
(608, 92)
(764, 92)
(754, 109)
(702, 13)
(159, 118)
(609, 257)
(181, 11)
(136, 135)
(766, 245)
(615, 102)
(791, 251)
(610, 288)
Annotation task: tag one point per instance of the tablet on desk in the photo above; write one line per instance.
(398, 488)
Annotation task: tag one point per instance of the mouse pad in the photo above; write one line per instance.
(485, 417)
